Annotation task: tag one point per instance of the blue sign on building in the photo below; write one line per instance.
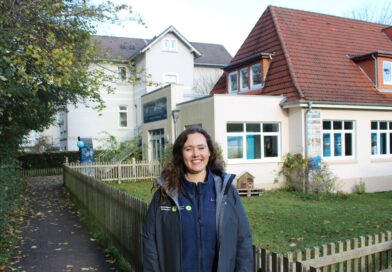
(155, 110)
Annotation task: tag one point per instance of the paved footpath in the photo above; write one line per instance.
(53, 237)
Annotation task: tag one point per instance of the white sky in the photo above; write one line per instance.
(226, 22)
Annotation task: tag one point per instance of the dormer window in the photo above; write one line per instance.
(249, 74)
(244, 79)
(387, 75)
(233, 82)
(170, 45)
(256, 77)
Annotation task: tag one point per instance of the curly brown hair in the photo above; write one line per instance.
(174, 171)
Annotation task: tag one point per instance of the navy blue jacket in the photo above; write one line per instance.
(162, 232)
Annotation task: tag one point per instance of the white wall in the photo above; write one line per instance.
(159, 62)
(86, 122)
(216, 111)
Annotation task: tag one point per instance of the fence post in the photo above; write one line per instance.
(119, 172)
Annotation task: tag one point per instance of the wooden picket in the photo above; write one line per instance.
(126, 171)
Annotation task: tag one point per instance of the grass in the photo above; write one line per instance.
(285, 221)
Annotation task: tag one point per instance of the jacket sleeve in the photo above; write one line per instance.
(150, 253)
(244, 258)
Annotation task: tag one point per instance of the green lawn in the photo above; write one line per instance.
(283, 221)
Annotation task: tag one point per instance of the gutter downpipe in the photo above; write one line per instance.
(305, 185)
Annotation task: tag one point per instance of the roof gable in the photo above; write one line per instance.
(174, 31)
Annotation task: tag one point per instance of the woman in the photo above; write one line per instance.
(196, 221)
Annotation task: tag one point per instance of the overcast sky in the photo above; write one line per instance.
(226, 22)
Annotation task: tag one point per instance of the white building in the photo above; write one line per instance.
(167, 58)
(301, 82)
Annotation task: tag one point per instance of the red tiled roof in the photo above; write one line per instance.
(311, 55)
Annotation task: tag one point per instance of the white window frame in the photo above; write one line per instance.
(384, 67)
(122, 73)
(242, 80)
(244, 133)
(342, 131)
(378, 132)
(170, 45)
(252, 85)
(122, 111)
(230, 89)
(166, 75)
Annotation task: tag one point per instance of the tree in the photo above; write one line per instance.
(373, 11)
(44, 64)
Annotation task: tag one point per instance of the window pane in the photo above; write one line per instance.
(374, 125)
(374, 143)
(233, 82)
(235, 127)
(123, 108)
(337, 137)
(383, 143)
(271, 127)
(123, 119)
(390, 143)
(387, 71)
(253, 127)
(383, 125)
(270, 146)
(348, 125)
(244, 78)
(327, 125)
(390, 125)
(348, 139)
(256, 74)
(326, 145)
(234, 147)
(337, 124)
(253, 147)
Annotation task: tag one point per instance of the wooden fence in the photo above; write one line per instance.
(122, 216)
(126, 171)
(372, 253)
(119, 214)
(41, 172)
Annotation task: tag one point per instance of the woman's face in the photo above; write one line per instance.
(195, 153)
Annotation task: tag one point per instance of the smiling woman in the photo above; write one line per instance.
(196, 216)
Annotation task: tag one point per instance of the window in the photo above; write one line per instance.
(256, 78)
(170, 45)
(381, 138)
(244, 73)
(338, 139)
(252, 141)
(123, 116)
(122, 73)
(233, 82)
(170, 78)
(387, 72)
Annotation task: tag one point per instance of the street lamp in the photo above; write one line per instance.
(175, 115)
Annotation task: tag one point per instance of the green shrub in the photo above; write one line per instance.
(360, 188)
(322, 181)
(299, 178)
(47, 159)
(294, 170)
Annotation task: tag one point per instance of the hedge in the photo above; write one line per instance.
(47, 159)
